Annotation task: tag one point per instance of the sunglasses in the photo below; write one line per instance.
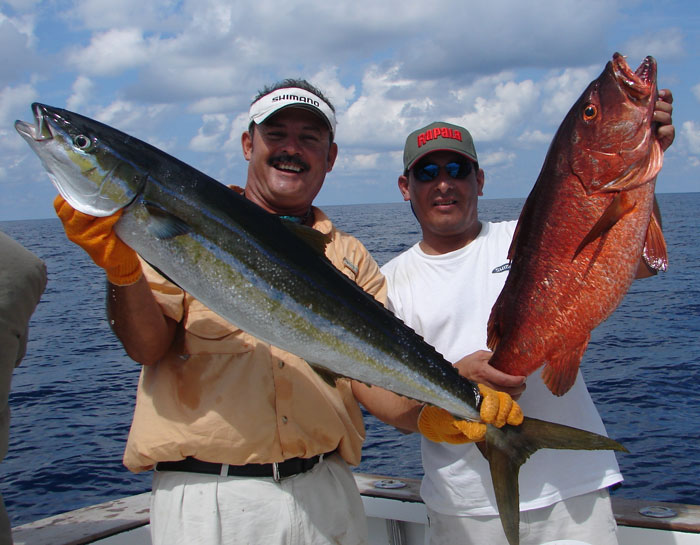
(429, 171)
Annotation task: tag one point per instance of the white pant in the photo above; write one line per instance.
(319, 507)
(588, 518)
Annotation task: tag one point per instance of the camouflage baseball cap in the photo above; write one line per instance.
(437, 136)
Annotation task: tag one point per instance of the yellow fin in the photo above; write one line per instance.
(314, 238)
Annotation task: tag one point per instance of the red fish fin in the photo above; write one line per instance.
(514, 241)
(620, 206)
(527, 212)
(654, 253)
(560, 373)
(493, 331)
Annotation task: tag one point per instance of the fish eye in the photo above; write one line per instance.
(82, 142)
(590, 112)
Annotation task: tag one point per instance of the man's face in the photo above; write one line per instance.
(446, 206)
(289, 155)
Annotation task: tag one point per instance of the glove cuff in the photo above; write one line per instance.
(125, 272)
(428, 422)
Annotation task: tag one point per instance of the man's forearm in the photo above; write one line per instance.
(138, 321)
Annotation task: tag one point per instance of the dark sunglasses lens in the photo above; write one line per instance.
(427, 172)
(459, 170)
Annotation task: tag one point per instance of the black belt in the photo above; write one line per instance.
(277, 471)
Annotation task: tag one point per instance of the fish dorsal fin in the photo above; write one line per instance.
(654, 252)
(163, 225)
(621, 205)
(314, 238)
(559, 374)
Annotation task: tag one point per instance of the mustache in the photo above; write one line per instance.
(286, 158)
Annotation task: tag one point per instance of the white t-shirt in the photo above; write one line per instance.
(447, 299)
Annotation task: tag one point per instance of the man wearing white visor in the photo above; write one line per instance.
(249, 444)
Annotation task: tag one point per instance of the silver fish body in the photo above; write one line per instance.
(249, 266)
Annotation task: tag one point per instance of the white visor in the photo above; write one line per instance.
(291, 96)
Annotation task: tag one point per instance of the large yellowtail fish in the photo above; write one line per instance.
(269, 278)
(587, 222)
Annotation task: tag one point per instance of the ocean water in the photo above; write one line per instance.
(73, 395)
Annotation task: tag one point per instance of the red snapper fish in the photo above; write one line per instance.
(582, 232)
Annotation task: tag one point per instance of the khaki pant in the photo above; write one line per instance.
(319, 507)
(587, 518)
(22, 281)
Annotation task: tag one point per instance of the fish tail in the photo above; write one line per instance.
(508, 448)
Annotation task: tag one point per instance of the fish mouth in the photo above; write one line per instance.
(641, 81)
(40, 130)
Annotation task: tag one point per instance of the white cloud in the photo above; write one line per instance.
(494, 116)
(696, 91)
(501, 34)
(387, 109)
(690, 132)
(82, 90)
(140, 121)
(108, 14)
(561, 90)
(535, 137)
(13, 99)
(496, 158)
(181, 73)
(16, 42)
(212, 132)
(665, 43)
(110, 53)
(23, 5)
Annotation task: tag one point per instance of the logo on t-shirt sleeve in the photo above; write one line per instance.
(501, 268)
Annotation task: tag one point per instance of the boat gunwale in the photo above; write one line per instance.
(95, 522)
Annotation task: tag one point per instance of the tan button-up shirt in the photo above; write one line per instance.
(221, 395)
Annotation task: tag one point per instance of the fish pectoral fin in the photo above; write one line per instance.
(163, 225)
(654, 253)
(559, 374)
(493, 329)
(620, 206)
(314, 238)
(328, 377)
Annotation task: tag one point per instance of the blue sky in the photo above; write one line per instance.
(180, 74)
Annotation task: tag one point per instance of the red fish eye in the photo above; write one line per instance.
(589, 112)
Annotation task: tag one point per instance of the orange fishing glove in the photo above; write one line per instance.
(97, 238)
(497, 408)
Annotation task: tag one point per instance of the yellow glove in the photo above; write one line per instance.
(440, 426)
(497, 408)
(97, 238)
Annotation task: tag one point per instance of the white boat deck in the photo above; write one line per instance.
(395, 514)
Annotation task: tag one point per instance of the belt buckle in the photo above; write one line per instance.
(275, 472)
